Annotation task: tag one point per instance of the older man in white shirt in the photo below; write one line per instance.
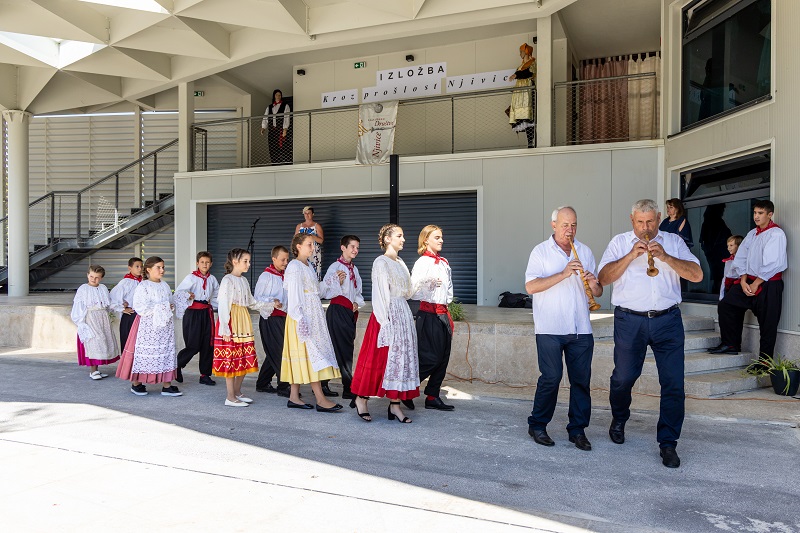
(647, 313)
(562, 326)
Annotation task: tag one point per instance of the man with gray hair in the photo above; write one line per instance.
(647, 313)
(555, 277)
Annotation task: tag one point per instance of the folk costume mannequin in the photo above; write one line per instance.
(520, 114)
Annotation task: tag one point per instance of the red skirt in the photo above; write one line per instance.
(86, 361)
(371, 365)
(125, 366)
(236, 357)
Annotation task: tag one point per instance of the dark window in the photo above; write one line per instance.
(726, 57)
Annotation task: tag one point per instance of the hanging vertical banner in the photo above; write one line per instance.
(376, 124)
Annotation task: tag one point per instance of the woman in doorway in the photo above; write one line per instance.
(520, 113)
(676, 221)
(309, 227)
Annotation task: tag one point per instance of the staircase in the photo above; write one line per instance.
(707, 375)
(111, 213)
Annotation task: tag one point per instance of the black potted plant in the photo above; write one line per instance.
(784, 373)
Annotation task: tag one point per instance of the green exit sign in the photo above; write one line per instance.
(360, 64)
(199, 93)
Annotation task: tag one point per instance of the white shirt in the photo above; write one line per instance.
(269, 289)
(123, 292)
(426, 270)
(563, 308)
(233, 290)
(274, 117)
(762, 255)
(330, 287)
(727, 273)
(194, 284)
(635, 289)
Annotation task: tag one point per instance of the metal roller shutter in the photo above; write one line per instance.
(456, 213)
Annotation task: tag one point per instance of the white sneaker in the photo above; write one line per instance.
(102, 375)
(235, 404)
(244, 399)
(96, 375)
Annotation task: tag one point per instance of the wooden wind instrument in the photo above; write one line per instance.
(593, 305)
(652, 271)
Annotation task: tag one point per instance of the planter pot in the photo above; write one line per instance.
(779, 384)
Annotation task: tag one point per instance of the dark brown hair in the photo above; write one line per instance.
(766, 205)
(678, 205)
(234, 255)
(97, 269)
(150, 263)
(386, 231)
(203, 254)
(347, 239)
(298, 239)
(133, 260)
(277, 250)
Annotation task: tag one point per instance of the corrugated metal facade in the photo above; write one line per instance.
(229, 227)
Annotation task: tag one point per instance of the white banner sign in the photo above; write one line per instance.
(411, 74)
(383, 93)
(376, 124)
(482, 80)
(340, 98)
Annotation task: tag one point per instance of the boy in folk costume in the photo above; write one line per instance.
(122, 298)
(433, 283)
(96, 342)
(342, 286)
(195, 299)
(729, 280)
(269, 290)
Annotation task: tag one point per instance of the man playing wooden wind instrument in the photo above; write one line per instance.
(555, 277)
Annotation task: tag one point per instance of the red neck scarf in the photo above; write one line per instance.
(436, 257)
(202, 276)
(138, 279)
(729, 258)
(771, 225)
(352, 270)
(274, 271)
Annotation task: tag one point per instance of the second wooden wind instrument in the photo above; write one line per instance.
(593, 305)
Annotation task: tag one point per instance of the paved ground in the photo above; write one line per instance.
(79, 455)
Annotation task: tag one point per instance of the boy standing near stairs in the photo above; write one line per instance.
(122, 298)
(647, 313)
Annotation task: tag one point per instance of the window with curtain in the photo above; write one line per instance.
(726, 57)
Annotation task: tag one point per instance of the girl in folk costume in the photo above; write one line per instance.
(234, 349)
(149, 355)
(342, 286)
(520, 113)
(195, 299)
(90, 308)
(433, 280)
(308, 355)
(122, 298)
(272, 322)
(387, 362)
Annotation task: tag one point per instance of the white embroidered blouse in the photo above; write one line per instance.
(234, 290)
(87, 299)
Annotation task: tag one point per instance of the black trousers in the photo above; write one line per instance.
(434, 340)
(125, 325)
(767, 308)
(278, 153)
(272, 330)
(342, 328)
(197, 335)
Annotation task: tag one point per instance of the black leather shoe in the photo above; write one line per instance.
(617, 432)
(179, 378)
(438, 404)
(581, 442)
(291, 405)
(726, 350)
(268, 389)
(540, 436)
(284, 393)
(669, 457)
(347, 395)
(206, 380)
(337, 407)
(409, 404)
(328, 392)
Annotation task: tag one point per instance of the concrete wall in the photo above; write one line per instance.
(773, 125)
(517, 190)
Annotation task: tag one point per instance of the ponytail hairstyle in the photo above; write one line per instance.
(423, 237)
(150, 263)
(386, 231)
(234, 255)
(298, 239)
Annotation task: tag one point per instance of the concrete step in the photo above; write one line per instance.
(707, 385)
(604, 328)
(695, 341)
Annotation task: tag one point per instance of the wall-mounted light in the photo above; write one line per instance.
(301, 72)
(409, 58)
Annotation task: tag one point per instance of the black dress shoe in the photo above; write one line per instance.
(409, 404)
(347, 395)
(540, 436)
(328, 392)
(179, 378)
(669, 457)
(715, 348)
(725, 350)
(333, 409)
(291, 405)
(581, 442)
(268, 389)
(617, 432)
(438, 404)
(284, 393)
(206, 380)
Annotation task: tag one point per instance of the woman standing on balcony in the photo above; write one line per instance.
(520, 113)
(276, 122)
(309, 227)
